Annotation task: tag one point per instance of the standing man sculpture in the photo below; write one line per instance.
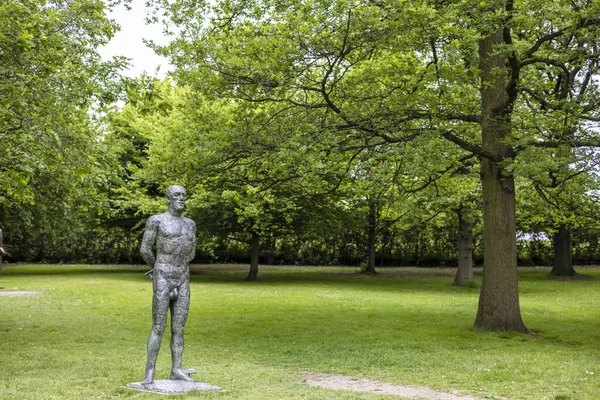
(175, 239)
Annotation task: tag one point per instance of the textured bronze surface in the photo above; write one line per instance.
(174, 238)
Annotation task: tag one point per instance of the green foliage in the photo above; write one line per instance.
(51, 163)
(51, 73)
(390, 72)
(306, 123)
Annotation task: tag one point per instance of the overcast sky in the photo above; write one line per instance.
(128, 41)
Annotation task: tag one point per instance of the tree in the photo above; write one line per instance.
(557, 199)
(460, 191)
(50, 76)
(129, 198)
(236, 163)
(1, 251)
(371, 192)
(388, 73)
(514, 55)
(51, 73)
(561, 107)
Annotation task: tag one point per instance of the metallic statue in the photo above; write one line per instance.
(175, 239)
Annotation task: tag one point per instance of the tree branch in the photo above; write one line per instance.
(544, 39)
(568, 143)
(473, 148)
(543, 60)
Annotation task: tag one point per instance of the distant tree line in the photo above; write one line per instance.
(429, 246)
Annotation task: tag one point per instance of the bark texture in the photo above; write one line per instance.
(464, 272)
(253, 272)
(563, 263)
(1, 252)
(498, 308)
(371, 238)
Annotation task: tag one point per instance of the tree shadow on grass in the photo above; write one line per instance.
(400, 279)
(410, 280)
(392, 280)
(69, 269)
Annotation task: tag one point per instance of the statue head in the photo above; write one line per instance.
(176, 197)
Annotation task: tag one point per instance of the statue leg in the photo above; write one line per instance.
(160, 307)
(179, 313)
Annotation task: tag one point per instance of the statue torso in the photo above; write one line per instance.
(175, 240)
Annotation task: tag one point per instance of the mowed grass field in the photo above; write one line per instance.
(83, 336)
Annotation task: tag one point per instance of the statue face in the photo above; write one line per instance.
(176, 197)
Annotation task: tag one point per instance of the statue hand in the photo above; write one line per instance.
(149, 274)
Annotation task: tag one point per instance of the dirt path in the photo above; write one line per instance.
(341, 382)
(15, 294)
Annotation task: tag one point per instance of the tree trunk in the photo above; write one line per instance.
(253, 273)
(372, 229)
(563, 264)
(499, 298)
(1, 252)
(464, 272)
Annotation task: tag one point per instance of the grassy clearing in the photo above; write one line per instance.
(84, 335)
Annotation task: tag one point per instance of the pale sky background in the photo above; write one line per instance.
(128, 41)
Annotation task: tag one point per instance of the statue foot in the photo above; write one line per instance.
(149, 378)
(179, 375)
(147, 382)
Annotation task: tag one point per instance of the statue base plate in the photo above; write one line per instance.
(172, 386)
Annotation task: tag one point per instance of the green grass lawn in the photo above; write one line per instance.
(84, 335)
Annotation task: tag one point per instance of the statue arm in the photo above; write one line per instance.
(149, 240)
(192, 252)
